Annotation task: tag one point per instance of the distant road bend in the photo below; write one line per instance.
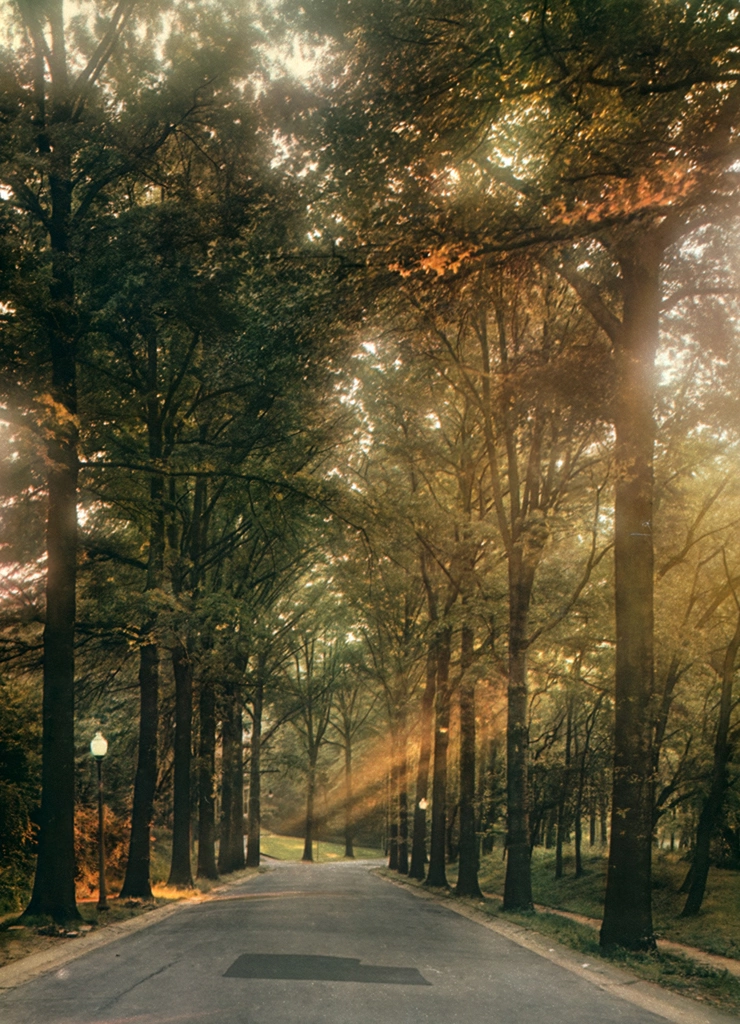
(308, 944)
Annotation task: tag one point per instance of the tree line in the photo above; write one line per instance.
(389, 406)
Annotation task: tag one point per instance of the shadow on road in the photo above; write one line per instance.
(299, 967)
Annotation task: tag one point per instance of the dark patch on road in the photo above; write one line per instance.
(299, 967)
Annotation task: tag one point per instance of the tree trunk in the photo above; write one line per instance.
(518, 883)
(349, 838)
(54, 881)
(467, 877)
(393, 803)
(180, 870)
(418, 847)
(237, 805)
(580, 792)
(206, 782)
(564, 787)
(628, 917)
(310, 800)
(712, 807)
(451, 845)
(592, 821)
(403, 805)
(231, 832)
(254, 818)
(436, 875)
(603, 814)
(559, 838)
(137, 883)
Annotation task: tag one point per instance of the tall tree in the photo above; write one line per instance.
(76, 130)
(601, 137)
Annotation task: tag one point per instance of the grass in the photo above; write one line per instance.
(714, 929)
(681, 974)
(291, 848)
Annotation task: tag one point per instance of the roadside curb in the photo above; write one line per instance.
(25, 969)
(614, 980)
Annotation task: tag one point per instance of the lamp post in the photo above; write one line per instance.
(98, 749)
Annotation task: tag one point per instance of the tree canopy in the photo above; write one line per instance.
(369, 415)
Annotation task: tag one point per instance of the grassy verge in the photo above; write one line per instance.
(714, 929)
(291, 848)
(21, 937)
(678, 973)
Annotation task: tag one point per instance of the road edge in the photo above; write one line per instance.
(615, 980)
(25, 969)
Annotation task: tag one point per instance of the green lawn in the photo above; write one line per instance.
(291, 848)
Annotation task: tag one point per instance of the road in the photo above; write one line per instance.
(309, 944)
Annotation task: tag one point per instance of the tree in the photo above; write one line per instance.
(601, 138)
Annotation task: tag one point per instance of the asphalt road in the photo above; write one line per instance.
(305, 944)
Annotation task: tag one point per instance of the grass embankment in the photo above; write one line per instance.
(714, 930)
(291, 848)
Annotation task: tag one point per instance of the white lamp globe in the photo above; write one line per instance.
(98, 745)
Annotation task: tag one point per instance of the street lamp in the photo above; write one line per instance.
(98, 749)
(423, 804)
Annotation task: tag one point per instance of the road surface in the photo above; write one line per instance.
(310, 944)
